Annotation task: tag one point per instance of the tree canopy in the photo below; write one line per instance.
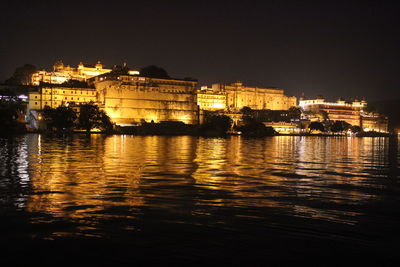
(120, 70)
(253, 127)
(22, 75)
(216, 123)
(65, 118)
(60, 118)
(316, 126)
(340, 126)
(90, 116)
(153, 71)
(294, 113)
(355, 129)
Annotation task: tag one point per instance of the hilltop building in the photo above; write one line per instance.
(132, 99)
(62, 73)
(236, 96)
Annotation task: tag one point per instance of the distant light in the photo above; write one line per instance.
(133, 72)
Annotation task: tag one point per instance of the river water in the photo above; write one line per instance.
(123, 200)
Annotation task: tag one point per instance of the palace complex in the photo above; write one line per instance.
(130, 98)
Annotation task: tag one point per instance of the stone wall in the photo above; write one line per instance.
(133, 99)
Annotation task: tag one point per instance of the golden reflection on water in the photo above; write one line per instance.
(91, 176)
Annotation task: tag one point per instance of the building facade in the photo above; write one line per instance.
(351, 112)
(372, 121)
(335, 111)
(59, 96)
(132, 99)
(208, 99)
(238, 96)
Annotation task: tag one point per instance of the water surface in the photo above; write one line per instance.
(124, 200)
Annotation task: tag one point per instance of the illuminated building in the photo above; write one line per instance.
(62, 73)
(371, 121)
(59, 96)
(284, 127)
(336, 111)
(54, 97)
(352, 113)
(207, 99)
(131, 99)
(239, 96)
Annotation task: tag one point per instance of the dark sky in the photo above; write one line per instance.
(333, 48)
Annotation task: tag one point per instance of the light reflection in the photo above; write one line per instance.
(98, 177)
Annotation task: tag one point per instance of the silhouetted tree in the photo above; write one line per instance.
(252, 127)
(246, 111)
(317, 126)
(61, 118)
(120, 70)
(154, 72)
(355, 129)
(294, 113)
(340, 126)
(322, 114)
(219, 124)
(22, 75)
(90, 116)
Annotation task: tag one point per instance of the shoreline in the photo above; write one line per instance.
(194, 134)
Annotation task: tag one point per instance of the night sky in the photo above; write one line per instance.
(333, 48)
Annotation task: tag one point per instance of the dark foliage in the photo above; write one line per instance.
(217, 124)
(252, 127)
(339, 126)
(355, 129)
(120, 70)
(22, 75)
(153, 71)
(60, 119)
(294, 113)
(316, 126)
(90, 116)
